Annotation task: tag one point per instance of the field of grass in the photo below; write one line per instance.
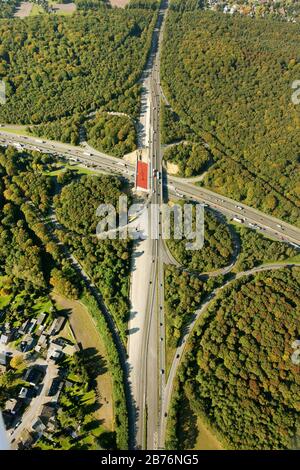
(5, 296)
(193, 433)
(206, 440)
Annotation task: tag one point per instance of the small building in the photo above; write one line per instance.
(23, 328)
(26, 440)
(71, 349)
(55, 386)
(38, 426)
(13, 408)
(68, 383)
(26, 393)
(42, 341)
(47, 415)
(10, 405)
(40, 330)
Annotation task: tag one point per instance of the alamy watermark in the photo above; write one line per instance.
(2, 92)
(154, 221)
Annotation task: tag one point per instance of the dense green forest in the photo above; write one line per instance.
(238, 374)
(184, 293)
(77, 202)
(22, 254)
(216, 252)
(192, 159)
(113, 134)
(186, 5)
(55, 67)
(229, 80)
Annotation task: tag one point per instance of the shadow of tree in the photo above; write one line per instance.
(94, 424)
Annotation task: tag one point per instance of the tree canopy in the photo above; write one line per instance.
(238, 374)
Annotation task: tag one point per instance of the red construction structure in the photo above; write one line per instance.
(142, 176)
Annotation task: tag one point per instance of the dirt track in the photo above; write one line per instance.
(87, 334)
